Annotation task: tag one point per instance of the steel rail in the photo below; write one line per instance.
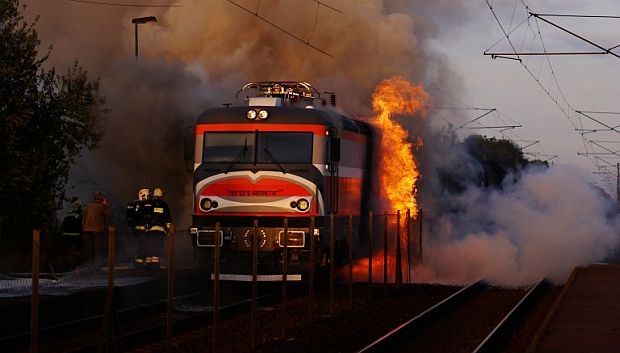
(490, 342)
(141, 335)
(391, 338)
(86, 320)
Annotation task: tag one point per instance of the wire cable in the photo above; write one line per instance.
(89, 2)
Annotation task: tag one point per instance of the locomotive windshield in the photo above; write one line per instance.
(272, 147)
(223, 147)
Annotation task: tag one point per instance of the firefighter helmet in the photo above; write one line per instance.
(143, 194)
(158, 192)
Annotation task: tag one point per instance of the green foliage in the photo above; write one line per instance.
(497, 157)
(46, 119)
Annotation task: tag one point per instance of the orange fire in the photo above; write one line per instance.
(398, 169)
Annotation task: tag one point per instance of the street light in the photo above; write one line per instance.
(141, 20)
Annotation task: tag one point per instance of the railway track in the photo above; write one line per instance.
(137, 325)
(474, 319)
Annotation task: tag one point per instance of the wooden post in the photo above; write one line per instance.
(370, 255)
(111, 258)
(311, 269)
(170, 313)
(216, 283)
(331, 263)
(108, 334)
(408, 246)
(399, 267)
(34, 301)
(254, 285)
(385, 253)
(284, 279)
(421, 237)
(350, 237)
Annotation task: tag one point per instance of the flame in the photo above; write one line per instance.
(398, 169)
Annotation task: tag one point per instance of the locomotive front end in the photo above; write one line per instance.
(269, 165)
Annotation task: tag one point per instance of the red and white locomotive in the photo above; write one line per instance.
(289, 154)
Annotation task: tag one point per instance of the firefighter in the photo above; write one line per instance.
(136, 222)
(72, 226)
(158, 228)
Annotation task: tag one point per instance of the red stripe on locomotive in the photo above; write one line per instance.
(315, 129)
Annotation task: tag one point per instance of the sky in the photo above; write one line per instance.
(588, 82)
(216, 46)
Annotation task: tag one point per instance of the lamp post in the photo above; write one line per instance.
(136, 22)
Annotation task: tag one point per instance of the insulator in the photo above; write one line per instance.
(332, 100)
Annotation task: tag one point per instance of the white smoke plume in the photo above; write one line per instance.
(543, 225)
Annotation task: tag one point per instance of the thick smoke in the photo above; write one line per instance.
(542, 222)
(198, 55)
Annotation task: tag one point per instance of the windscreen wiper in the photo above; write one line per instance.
(274, 160)
(238, 156)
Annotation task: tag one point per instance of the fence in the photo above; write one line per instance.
(375, 248)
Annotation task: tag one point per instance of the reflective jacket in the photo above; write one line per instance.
(160, 216)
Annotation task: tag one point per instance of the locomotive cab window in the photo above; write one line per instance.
(285, 147)
(268, 147)
(228, 147)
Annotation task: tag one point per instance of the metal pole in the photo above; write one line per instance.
(618, 185)
(311, 269)
(136, 39)
(399, 267)
(170, 314)
(350, 233)
(284, 279)
(254, 285)
(34, 301)
(331, 263)
(370, 255)
(409, 246)
(385, 250)
(216, 283)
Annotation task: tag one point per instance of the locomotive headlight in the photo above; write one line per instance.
(263, 114)
(303, 204)
(251, 114)
(206, 204)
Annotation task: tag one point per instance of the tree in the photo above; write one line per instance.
(46, 119)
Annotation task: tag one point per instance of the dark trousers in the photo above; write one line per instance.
(151, 244)
(97, 246)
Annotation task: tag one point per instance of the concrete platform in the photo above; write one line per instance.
(587, 315)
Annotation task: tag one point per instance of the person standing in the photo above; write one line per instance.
(137, 213)
(94, 223)
(160, 223)
(72, 227)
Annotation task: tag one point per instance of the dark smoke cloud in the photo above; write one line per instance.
(198, 55)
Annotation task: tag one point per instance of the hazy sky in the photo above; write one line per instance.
(589, 82)
(447, 46)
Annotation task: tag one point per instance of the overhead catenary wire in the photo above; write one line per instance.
(509, 125)
(104, 3)
(560, 100)
(305, 42)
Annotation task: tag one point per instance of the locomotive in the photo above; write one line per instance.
(287, 153)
